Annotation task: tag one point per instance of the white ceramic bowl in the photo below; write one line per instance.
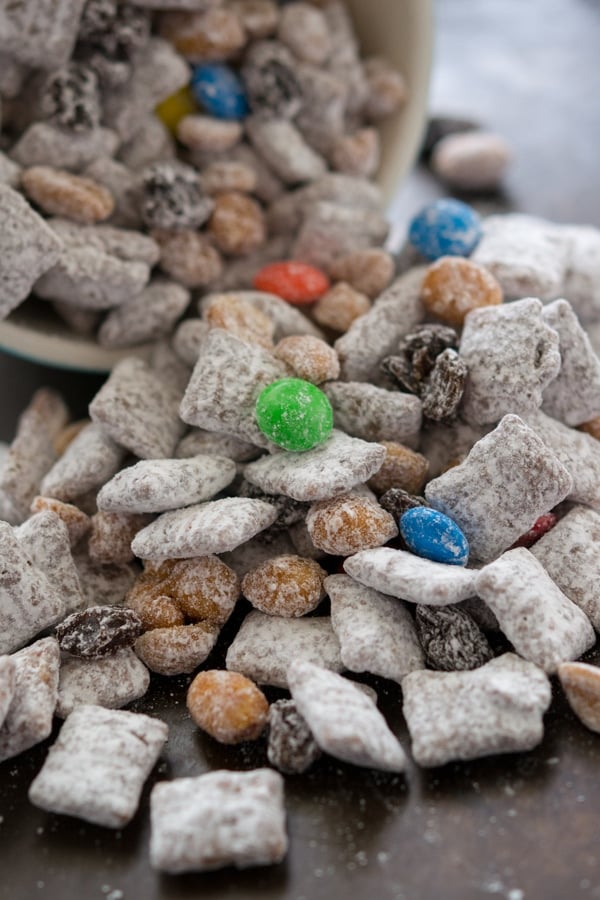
(401, 31)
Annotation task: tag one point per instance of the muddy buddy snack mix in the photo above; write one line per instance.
(330, 466)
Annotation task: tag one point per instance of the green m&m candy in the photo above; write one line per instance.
(294, 414)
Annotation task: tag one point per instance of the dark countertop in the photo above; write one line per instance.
(520, 827)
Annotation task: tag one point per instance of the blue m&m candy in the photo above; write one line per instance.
(445, 228)
(219, 90)
(432, 535)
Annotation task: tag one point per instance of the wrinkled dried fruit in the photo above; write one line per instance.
(451, 639)
(98, 631)
(292, 748)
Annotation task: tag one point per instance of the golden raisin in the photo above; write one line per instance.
(357, 154)
(367, 271)
(453, 286)
(77, 522)
(288, 586)
(189, 257)
(155, 611)
(402, 468)
(592, 427)
(228, 175)
(340, 306)
(68, 434)
(228, 706)
(347, 524)
(177, 650)
(237, 224)
(241, 318)
(310, 357)
(61, 193)
(202, 36)
(203, 589)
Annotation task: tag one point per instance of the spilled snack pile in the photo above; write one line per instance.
(390, 467)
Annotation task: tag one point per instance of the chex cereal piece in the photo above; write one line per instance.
(203, 589)
(581, 684)
(28, 601)
(77, 522)
(204, 528)
(375, 414)
(41, 34)
(509, 478)
(90, 279)
(578, 452)
(411, 577)
(451, 639)
(345, 723)
(8, 678)
(347, 524)
(28, 248)
(225, 383)
(376, 632)
(138, 410)
(47, 144)
(111, 536)
(497, 708)
(29, 717)
(330, 231)
(156, 485)
(148, 316)
(158, 72)
(569, 554)
(120, 242)
(541, 623)
(527, 255)
(125, 187)
(288, 320)
(287, 586)
(187, 340)
(188, 257)
(264, 645)
(10, 172)
(98, 765)
(102, 585)
(333, 468)
(292, 748)
(165, 363)
(447, 445)
(573, 396)
(178, 649)
(45, 539)
(31, 453)
(110, 681)
(87, 463)
(582, 277)
(284, 149)
(512, 354)
(219, 819)
(205, 443)
(375, 335)
(228, 706)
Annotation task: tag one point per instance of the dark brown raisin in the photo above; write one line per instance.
(451, 639)
(444, 388)
(72, 97)
(417, 353)
(172, 197)
(289, 511)
(292, 748)
(270, 82)
(396, 502)
(98, 631)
